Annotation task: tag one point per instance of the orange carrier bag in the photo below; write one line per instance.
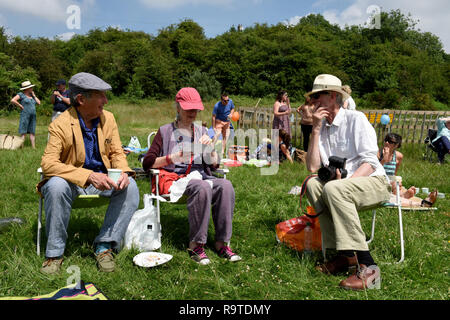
(291, 232)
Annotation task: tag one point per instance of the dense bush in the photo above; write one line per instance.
(395, 66)
(208, 87)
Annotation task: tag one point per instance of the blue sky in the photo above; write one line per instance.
(48, 18)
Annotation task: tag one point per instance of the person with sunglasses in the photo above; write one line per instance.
(391, 159)
(221, 115)
(389, 156)
(345, 134)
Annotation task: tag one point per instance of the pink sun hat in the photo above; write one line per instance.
(189, 99)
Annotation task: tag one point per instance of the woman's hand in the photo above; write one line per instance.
(205, 139)
(387, 153)
(181, 157)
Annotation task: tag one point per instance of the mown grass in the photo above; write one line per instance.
(268, 271)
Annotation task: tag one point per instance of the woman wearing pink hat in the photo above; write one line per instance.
(182, 147)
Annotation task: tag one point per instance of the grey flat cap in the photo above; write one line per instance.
(84, 81)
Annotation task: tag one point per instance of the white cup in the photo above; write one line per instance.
(417, 190)
(441, 195)
(425, 190)
(114, 174)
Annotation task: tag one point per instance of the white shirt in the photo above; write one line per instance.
(350, 136)
(351, 103)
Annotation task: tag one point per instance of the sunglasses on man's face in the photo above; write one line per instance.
(226, 101)
(318, 94)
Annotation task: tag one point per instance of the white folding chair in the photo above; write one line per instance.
(400, 221)
(372, 235)
(82, 201)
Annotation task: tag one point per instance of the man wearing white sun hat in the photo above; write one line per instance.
(346, 134)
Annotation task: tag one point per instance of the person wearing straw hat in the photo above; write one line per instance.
(26, 101)
(346, 134)
(84, 143)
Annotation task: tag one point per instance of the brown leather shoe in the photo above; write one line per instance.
(364, 278)
(338, 264)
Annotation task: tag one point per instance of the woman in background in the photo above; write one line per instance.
(26, 101)
(389, 157)
(281, 112)
(284, 146)
(349, 103)
(306, 111)
(442, 140)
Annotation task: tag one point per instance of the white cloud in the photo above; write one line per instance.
(433, 15)
(169, 4)
(293, 21)
(50, 10)
(65, 36)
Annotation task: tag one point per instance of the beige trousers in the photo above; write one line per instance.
(339, 201)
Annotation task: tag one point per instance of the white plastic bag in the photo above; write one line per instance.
(144, 230)
(134, 143)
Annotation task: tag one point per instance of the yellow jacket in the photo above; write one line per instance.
(65, 154)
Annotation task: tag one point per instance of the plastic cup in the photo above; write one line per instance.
(417, 190)
(425, 190)
(114, 174)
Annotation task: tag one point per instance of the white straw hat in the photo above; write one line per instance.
(26, 84)
(328, 82)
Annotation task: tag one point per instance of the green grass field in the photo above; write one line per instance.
(268, 271)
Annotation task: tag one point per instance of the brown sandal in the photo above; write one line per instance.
(430, 200)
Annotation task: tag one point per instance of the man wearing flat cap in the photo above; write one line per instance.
(84, 142)
(346, 134)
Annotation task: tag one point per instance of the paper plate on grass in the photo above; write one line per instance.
(151, 259)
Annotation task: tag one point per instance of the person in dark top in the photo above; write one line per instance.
(285, 146)
(60, 99)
